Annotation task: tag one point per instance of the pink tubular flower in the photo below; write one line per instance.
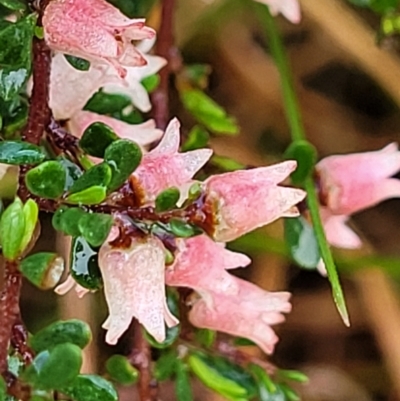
(247, 199)
(165, 167)
(249, 313)
(143, 134)
(134, 287)
(94, 30)
(354, 182)
(290, 9)
(201, 265)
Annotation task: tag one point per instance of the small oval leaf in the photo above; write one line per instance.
(66, 219)
(43, 269)
(97, 138)
(31, 213)
(46, 180)
(167, 199)
(95, 227)
(124, 157)
(65, 331)
(90, 196)
(78, 63)
(17, 152)
(100, 175)
(120, 370)
(183, 230)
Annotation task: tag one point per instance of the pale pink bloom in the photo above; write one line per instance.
(94, 30)
(353, 182)
(288, 8)
(201, 264)
(165, 167)
(247, 199)
(143, 134)
(249, 313)
(70, 284)
(134, 287)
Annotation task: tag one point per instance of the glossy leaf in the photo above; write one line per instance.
(31, 214)
(84, 267)
(96, 138)
(95, 227)
(73, 172)
(198, 138)
(64, 331)
(46, 180)
(15, 5)
(293, 375)
(303, 245)
(165, 365)
(124, 157)
(208, 112)
(306, 156)
(121, 370)
(90, 196)
(66, 219)
(107, 103)
(17, 153)
(77, 62)
(99, 175)
(90, 388)
(46, 371)
(15, 55)
(183, 389)
(43, 269)
(183, 230)
(223, 377)
(167, 199)
(12, 229)
(14, 114)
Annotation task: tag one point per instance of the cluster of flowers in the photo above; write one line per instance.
(135, 277)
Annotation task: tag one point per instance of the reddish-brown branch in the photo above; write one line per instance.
(164, 48)
(9, 309)
(141, 358)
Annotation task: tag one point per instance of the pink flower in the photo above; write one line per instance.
(354, 182)
(143, 134)
(201, 265)
(288, 8)
(134, 287)
(94, 30)
(165, 167)
(247, 199)
(248, 313)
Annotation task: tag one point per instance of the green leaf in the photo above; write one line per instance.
(90, 388)
(78, 63)
(64, 331)
(98, 175)
(14, 114)
(3, 389)
(266, 386)
(73, 172)
(56, 367)
(107, 103)
(198, 74)
(15, 5)
(120, 370)
(206, 337)
(46, 180)
(208, 112)
(197, 138)
(84, 267)
(293, 375)
(183, 230)
(12, 229)
(43, 269)
(303, 245)
(167, 199)
(90, 196)
(66, 219)
(165, 365)
(306, 156)
(132, 9)
(227, 379)
(31, 213)
(226, 163)
(17, 153)
(15, 55)
(95, 227)
(96, 139)
(151, 82)
(182, 384)
(289, 393)
(124, 157)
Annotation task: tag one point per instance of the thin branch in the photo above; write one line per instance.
(164, 48)
(141, 358)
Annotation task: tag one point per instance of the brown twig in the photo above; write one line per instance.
(164, 48)
(9, 309)
(141, 358)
